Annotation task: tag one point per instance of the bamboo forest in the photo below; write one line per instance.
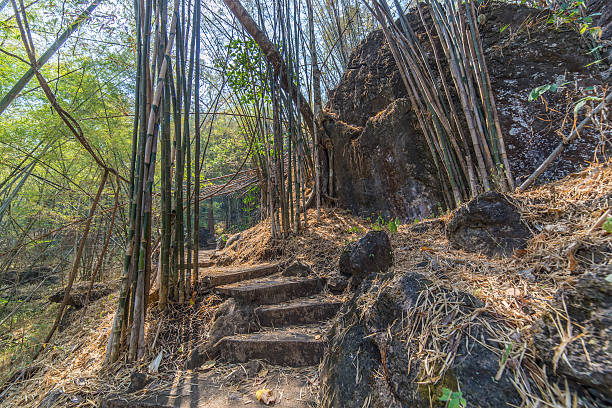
(305, 203)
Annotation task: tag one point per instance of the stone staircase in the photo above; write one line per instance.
(293, 313)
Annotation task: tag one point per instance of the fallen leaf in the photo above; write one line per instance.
(572, 262)
(317, 337)
(266, 396)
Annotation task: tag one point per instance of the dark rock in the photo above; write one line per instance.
(138, 381)
(30, 275)
(51, 399)
(364, 363)
(337, 283)
(604, 20)
(371, 254)
(78, 294)
(488, 224)
(253, 367)
(194, 360)
(296, 268)
(384, 167)
(371, 137)
(589, 307)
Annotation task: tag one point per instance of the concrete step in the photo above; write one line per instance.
(272, 290)
(225, 276)
(280, 347)
(299, 311)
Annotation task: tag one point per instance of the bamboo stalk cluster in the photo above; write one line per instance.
(280, 116)
(163, 100)
(467, 162)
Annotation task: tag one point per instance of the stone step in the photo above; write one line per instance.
(279, 347)
(299, 311)
(272, 290)
(225, 276)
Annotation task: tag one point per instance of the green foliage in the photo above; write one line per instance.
(540, 90)
(245, 70)
(583, 101)
(453, 399)
(354, 230)
(607, 226)
(380, 224)
(393, 225)
(570, 13)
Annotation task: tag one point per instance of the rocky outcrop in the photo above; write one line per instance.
(376, 156)
(370, 255)
(488, 224)
(377, 350)
(586, 358)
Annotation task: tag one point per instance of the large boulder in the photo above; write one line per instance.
(375, 153)
(384, 351)
(587, 359)
(488, 224)
(371, 254)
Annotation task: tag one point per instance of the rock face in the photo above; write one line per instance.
(375, 154)
(371, 254)
(488, 224)
(589, 306)
(373, 361)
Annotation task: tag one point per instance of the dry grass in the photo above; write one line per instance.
(516, 291)
(320, 245)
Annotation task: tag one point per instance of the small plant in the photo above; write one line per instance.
(378, 225)
(354, 230)
(393, 225)
(607, 226)
(540, 90)
(453, 399)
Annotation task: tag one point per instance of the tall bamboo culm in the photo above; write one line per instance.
(466, 165)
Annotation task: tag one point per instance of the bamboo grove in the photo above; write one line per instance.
(271, 64)
(266, 80)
